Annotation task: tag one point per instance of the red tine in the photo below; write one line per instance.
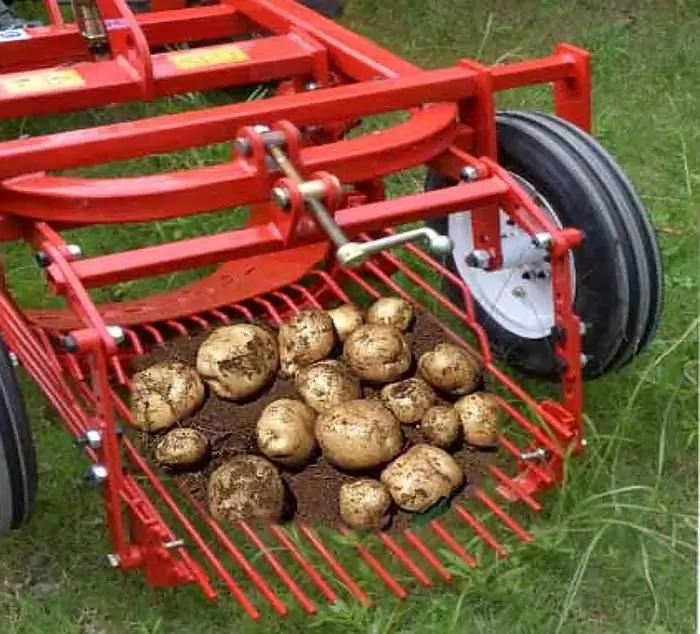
(513, 486)
(315, 576)
(405, 558)
(177, 327)
(222, 317)
(335, 566)
(366, 286)
(199, 320)
(155, 333)
(242, 310)
(271, 310)
(377, 567)
(426, 553)
(304, 601)
(332, 284)
(446, 536)
(304, 292)
(480, 530)
(503, 516)
(286, 299)
(236, 554)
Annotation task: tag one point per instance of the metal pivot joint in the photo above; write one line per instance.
(322, 191)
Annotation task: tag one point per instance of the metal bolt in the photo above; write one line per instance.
(68, 343)
(42, 259)
(478, 259)
(96, 474)
(280, 196)
(113, 560)
(241, 147)
(542, 240)
(583, 328)
(519, 292)
(311, 85)
(175, 543)
(91, 438)
(584, 359)
(532, 456)
(469, 174)
(13, 359)
(74, 250)
(116, 332)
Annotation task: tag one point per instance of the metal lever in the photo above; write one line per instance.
(353, 254)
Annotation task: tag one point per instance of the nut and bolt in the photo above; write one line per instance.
(469, 174)
(91, 438)
(74, 250)
(478, 259)
(584, 359)
(519, 292)
(14, 360)
(117, 333)
(96, 474)
(542, 240)
(538, 454)
(113, 560)
(310, 85)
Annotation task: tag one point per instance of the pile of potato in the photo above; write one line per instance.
(330, 356)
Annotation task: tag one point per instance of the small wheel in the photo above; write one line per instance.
(617, 276)
(18, 477)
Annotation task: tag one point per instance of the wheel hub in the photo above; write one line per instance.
(519, 298)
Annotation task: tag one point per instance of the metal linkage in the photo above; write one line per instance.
(314, 195)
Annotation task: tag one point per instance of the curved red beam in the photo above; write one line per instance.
(162, 196)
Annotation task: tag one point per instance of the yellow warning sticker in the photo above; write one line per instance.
(191, 60)
(41, 81)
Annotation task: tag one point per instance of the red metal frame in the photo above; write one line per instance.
(451, 126)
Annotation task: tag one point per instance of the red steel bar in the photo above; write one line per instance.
(332, 562)
(480, 530)
(284, 576)
(404, 558)
(427, 554)
(445, 536)
(315, 576)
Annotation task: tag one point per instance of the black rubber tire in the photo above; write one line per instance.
(18, 474)
(619, 292)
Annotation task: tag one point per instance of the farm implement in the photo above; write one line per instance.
(526, 247)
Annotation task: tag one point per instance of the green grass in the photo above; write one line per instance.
(615, 549)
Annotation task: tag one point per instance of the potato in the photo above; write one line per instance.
(422, 476)
(246, 487)
(441, 426)
(346, 319)
(480, 416)
(326, 384)
(450, 369)
(365, 504)
(285, 432)
(377, 353)
(309, 336)
(181, 447)
(163, 394)
(391, 311)
(408, 400)
(238, 361)
(359, 434)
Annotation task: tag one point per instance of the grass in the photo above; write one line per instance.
(615, 549)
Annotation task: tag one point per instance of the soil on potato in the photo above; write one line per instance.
(314, 490)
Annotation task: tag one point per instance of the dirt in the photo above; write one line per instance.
(312, 491)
